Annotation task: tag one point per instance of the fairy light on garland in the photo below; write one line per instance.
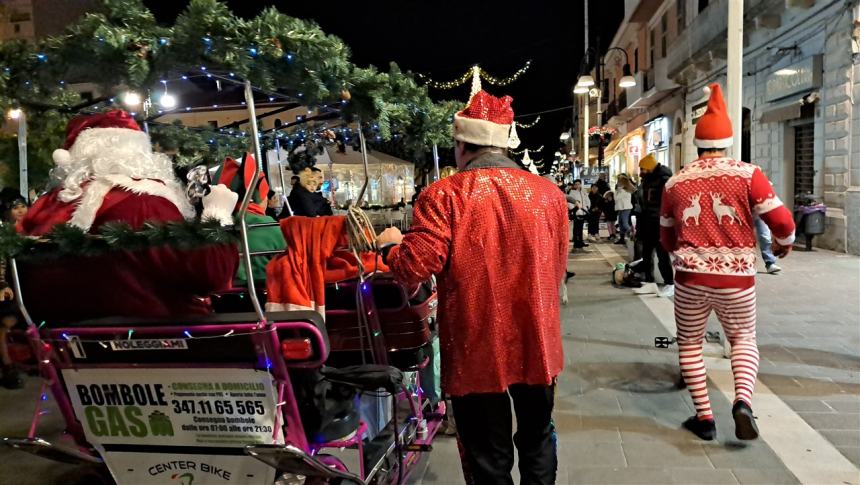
(476, 72)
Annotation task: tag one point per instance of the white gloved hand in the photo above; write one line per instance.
(219, 205)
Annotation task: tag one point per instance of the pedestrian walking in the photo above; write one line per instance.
(579, 212)
(707, 222)
(623, 206)
(654, 178)
(498, 344)
(595, 202)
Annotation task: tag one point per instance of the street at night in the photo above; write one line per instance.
(428, 243)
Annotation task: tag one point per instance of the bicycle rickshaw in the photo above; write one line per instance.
(249, 397)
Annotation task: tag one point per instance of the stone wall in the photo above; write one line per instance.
(852, 194)
(837, 105)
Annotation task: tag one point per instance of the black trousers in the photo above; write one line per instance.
(664, 262)
(484, 433)
(578, 226)
(593, 223)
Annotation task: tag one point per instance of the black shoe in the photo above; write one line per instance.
(745, 427)
(706, 430)
(621, 242)
(569, 275)
(10, 378)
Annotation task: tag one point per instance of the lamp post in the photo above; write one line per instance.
(20, 116)
(586, 84)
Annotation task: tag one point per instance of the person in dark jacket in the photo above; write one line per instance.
(654, 178)
(304, 199)
(595, 201)
(602, 184)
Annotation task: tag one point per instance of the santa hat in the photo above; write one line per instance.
(486, 121)
(714, 128)
(116, 123)
(237, 176)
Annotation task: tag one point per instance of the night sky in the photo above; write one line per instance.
(444, 38)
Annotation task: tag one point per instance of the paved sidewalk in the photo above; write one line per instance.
(618, 411)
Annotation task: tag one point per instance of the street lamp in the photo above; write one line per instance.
(131, 99)
(586, 84)
(14, 113)
(627, 80)
(585, 81)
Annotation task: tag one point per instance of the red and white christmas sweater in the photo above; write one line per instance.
(706, 221)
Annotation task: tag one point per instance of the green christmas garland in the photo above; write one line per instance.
(70, 241)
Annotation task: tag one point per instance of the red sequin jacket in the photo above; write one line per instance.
(496, 236)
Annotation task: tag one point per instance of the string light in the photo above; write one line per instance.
(520, 152)
(467, 76)
(528, 125)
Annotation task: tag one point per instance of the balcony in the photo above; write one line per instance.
(703, 42)
(651, 86)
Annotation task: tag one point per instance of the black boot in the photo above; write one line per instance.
(745, 427)
(706, 430)
(10, 378)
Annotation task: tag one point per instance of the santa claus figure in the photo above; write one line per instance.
(108, 172)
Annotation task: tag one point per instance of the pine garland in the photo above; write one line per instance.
(65, 240)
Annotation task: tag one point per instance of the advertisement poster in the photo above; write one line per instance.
(174, 407)
(182, 469)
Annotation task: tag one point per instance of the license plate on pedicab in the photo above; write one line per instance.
(183, 426)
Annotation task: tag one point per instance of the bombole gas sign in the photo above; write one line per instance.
(179, 407)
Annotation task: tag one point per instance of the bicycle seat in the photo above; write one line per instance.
(367, 377)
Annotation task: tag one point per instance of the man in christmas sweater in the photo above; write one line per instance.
(707, 223)
(109, 173)
(496, 237)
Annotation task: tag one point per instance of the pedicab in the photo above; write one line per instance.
(251, 397)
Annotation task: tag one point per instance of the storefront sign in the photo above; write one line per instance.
(182, 407)
(698, 111)
(658, 133)
(796, 78)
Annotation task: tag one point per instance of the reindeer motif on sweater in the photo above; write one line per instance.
(717, 240)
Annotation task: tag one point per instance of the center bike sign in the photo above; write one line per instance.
(175, 407)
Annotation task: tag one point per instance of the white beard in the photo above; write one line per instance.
(115, 157)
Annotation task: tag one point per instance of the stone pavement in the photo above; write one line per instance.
(618, 411)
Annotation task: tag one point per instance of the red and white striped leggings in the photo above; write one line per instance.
(736, 311)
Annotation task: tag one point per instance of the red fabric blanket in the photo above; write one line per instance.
(315, 256)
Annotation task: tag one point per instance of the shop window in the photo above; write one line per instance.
(681, 15)
(664, 33)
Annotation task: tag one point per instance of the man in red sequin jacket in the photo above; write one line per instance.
(496, 237)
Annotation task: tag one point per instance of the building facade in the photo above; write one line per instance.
(801, 86)
(30, 20)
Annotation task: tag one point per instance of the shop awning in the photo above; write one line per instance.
(788, 110)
